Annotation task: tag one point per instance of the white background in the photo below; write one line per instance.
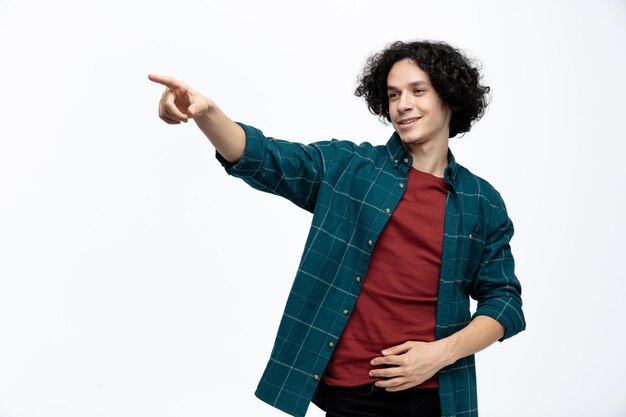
(138, 279)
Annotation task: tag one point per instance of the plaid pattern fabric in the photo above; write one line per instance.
(352, 190)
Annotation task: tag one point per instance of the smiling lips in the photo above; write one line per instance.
(405, 123)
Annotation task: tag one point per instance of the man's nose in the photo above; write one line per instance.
(405, 104)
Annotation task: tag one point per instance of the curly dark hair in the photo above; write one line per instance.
(455, 77)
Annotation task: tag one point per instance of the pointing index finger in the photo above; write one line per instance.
(169, 82)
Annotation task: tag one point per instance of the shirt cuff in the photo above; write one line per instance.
(508, 316)
(250, 163)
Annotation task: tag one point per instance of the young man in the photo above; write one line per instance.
(378, 320)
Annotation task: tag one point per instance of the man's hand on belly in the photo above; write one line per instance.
(409, 364)
(412, 363)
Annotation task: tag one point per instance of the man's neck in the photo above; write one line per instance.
(430, 157)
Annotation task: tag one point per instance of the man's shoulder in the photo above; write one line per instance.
(337, 150)
(472, 185)
(347, 145)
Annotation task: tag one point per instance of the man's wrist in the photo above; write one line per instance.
(449, 354)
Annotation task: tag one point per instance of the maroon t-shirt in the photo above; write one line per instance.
(399, 296)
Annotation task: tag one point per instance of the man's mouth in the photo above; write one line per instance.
(408, 122)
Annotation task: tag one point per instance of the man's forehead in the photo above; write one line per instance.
(406, 72)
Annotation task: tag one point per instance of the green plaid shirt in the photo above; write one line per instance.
(352, 190)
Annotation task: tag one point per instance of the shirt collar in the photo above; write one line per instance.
(397, 153)
(395, 149)
(449, 174)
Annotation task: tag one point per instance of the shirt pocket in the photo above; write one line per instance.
(471, 247)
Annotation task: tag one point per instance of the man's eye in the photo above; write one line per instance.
(417, 91)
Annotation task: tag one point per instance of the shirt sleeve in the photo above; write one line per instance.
(496, 288)
(288, 169)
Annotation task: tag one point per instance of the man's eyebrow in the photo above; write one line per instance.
(413, 84)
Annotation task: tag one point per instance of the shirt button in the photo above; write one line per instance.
(387, 211)
(370, 243)
(400, 185)
(316, 377)
(406, 160)
(470, 236)
(395, 161)
(331, 344)
(345, 312)
(358, 279)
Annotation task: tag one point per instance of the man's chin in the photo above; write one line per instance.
(410, 140)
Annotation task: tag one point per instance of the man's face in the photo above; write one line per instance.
(417, 112)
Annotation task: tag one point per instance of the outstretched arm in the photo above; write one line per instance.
(180, 102)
